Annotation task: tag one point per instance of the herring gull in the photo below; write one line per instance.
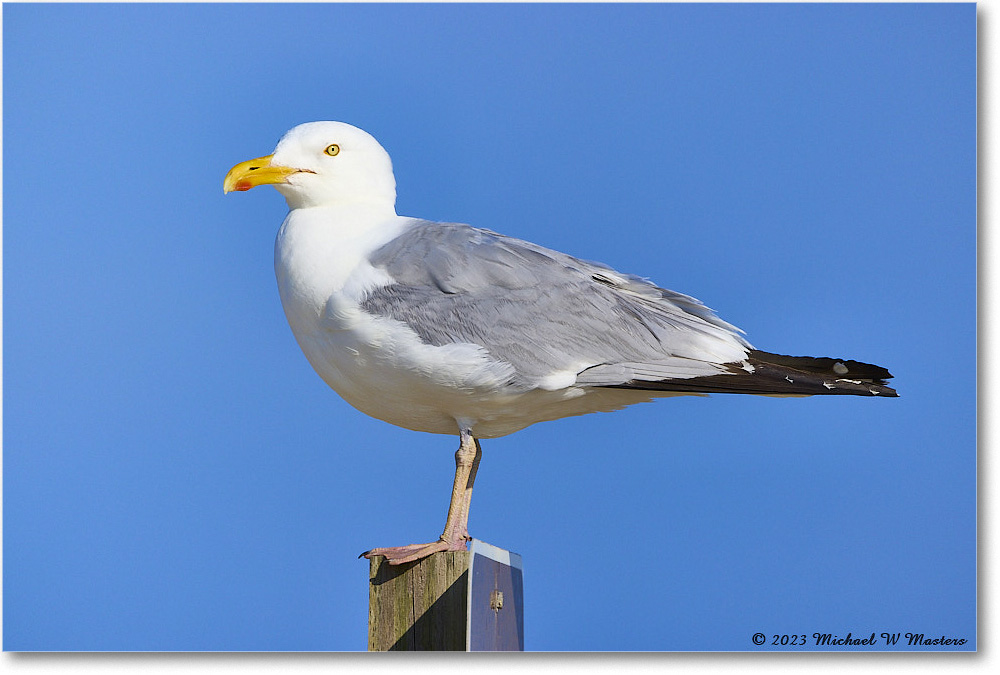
(448, 328)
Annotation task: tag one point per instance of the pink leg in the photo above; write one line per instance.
(456, 531)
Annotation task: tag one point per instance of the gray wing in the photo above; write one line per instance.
(544, 312)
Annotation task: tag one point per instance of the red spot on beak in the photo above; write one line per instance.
(242, 185)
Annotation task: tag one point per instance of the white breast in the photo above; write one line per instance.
(376, 364)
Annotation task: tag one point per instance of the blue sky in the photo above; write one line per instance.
(177, 478)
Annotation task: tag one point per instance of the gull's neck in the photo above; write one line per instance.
(320, 250)
(347, 218)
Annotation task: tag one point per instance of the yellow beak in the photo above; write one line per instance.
(254, 172)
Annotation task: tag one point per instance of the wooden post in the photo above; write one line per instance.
(456, 601)
(419, 606)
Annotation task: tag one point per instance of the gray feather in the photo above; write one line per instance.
(543, 311)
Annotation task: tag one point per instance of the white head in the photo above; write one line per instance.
(322, 164)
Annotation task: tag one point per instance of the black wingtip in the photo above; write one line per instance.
(826, 366)
(767, 374)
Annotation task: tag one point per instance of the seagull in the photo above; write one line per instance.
(447, 328)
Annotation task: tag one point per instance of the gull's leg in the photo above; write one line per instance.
(456, 529)
(463, 518)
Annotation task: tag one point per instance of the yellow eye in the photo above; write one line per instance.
(332, 150)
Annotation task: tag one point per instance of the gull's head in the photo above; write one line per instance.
(322, 164)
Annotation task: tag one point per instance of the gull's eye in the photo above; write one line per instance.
(332, 150)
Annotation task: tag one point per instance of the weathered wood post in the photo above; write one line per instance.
(458, 600)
